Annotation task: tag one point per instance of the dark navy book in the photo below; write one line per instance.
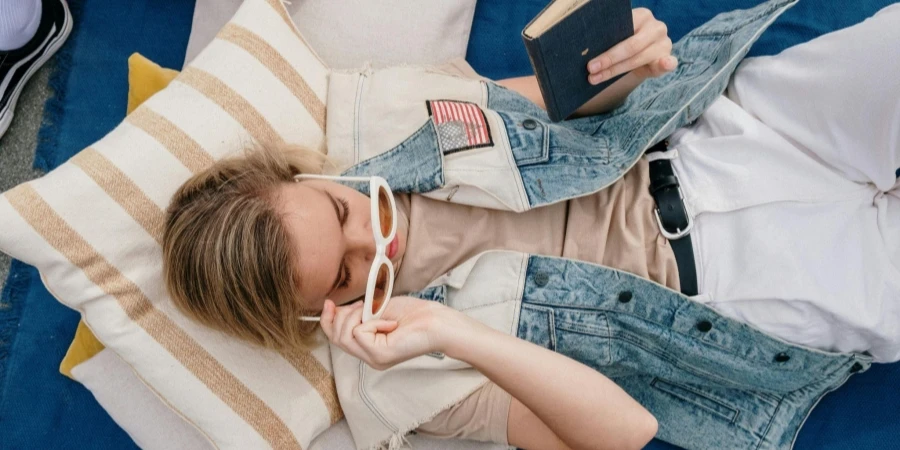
(563, 38)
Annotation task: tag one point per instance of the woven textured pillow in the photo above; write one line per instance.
(145, 78)
(93, 227)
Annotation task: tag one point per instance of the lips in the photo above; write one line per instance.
(391, 250)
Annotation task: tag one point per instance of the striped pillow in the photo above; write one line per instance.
(93, 228)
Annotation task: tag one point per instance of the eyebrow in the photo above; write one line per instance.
(337, 215)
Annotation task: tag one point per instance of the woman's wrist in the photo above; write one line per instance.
(457, 332)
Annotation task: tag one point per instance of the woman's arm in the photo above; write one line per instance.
(583, 408)
(646, 54)
(557, 401)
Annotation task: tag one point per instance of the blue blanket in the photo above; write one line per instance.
(41, 409)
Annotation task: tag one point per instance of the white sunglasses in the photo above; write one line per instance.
(384, 228)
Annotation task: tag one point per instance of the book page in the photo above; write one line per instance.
(558, 10)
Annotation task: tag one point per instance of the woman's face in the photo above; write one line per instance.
(331, 229)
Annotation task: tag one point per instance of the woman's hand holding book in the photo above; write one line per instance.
(647, 54)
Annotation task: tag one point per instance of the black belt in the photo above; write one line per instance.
(673, 219)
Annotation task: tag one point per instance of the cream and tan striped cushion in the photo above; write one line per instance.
(93, 228)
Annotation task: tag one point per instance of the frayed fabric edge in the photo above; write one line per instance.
(398, 440)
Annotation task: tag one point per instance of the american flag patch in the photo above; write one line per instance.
(460, 125)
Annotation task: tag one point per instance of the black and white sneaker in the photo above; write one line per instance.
(17, 66)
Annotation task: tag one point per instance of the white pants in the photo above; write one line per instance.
(792, 179)
(19, 20)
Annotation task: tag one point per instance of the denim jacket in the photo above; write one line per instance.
(711, 382)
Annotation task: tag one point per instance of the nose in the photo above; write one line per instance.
(361, 243)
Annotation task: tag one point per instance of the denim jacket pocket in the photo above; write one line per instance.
(577, 333)
(697, 398)
(582, 334)
(529, 139)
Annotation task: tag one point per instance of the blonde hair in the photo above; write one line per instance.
(228, 260)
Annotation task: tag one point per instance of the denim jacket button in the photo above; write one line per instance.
(625, 296)
(541, 279)
(704, 326)
(529, 124)
(782, 357)
(856, 368)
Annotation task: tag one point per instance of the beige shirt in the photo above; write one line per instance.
(614, 227)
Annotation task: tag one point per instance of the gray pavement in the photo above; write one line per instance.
(18, 144)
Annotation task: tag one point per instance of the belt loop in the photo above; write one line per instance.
(656, 156)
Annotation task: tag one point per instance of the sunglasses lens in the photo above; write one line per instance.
(381, 287)
(385, 212)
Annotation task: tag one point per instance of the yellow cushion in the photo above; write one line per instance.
(83, 347)
(145, 78)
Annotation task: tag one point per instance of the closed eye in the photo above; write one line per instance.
(346, 281)
(345, 209)
(341, 211)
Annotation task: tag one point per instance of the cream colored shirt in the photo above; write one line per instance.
(614, 227)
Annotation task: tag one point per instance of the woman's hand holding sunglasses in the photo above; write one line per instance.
(410, 327)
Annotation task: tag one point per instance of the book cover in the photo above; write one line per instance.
(563, 38)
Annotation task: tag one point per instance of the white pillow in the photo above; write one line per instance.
(155, 426)
(92, 227)
(352, 33)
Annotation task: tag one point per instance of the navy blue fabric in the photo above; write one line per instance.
(39, 408)
(863, 413)
(92, 76)
(496, 50)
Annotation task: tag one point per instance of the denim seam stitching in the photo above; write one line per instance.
(364, 395)
(585, 330)
(485, 305)
(735, 412)
(511, 162)
(765, 435)
(356, 108)
(524, 260)
(724, 382)
(551, 322)
(631, 314)
(608, 340)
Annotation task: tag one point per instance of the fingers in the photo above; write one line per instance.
(374, 327)
(326, 320)
(341, 319)
(372, 339)
(344, 328)
(650, 56)
(634, 52)
(659, 67)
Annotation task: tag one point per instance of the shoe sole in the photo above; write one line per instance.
(52, 48)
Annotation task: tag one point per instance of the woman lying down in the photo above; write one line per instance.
(708, 292)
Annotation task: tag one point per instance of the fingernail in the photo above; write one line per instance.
(594, 67)
(671, 62)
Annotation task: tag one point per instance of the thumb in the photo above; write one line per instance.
(373, 332)
(377, 326)
(664, 65)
